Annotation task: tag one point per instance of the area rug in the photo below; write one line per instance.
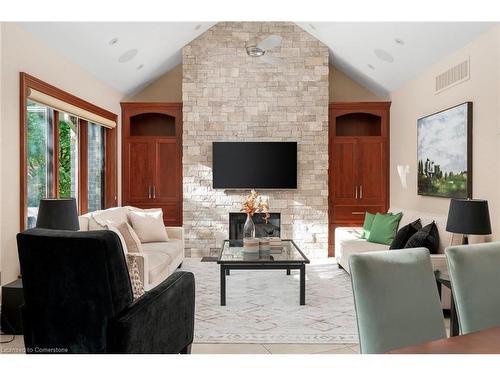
(263, 306)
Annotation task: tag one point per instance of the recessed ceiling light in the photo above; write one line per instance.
(140, 67)
(127, 56)
(399, 41)
(383, 55)
(113, 41)
(198, 27)
(371, 66)
(312, 26)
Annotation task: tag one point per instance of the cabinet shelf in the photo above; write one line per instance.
(152, 125)
(358, 124)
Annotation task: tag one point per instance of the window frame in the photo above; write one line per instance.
(110, 168)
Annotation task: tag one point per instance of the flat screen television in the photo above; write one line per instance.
(254, 165)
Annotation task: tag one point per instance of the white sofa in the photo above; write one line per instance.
(158, 259)
(348, 241)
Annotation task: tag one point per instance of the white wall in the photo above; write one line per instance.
(23, 52)
(417, 99)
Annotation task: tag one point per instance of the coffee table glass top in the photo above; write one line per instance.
(232, 252)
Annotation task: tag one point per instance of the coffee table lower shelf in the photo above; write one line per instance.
(226, 267)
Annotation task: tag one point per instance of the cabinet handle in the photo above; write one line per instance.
(357, 213)
(149, 191)
(360, 191)
(154, 191)
(356, 191)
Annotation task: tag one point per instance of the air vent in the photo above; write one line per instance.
(453, 76)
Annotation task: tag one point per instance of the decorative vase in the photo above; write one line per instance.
(249, 227)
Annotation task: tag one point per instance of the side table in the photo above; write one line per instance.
(12, 300)
(444, 279)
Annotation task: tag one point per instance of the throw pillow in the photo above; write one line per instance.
(149, 225)
(367, 225)
(131, 239)
(384, 228)
(112, 228)
(404, 234)
(427, 237)
(100, 219)
(135, 277)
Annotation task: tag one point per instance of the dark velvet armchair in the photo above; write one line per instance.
(78, 298)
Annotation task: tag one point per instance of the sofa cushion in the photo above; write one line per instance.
(384, 228)
(427, 237)
(404, 234)
(149, 225)
(130, 237)
(172, 248)
(158, 265)
(115, 215)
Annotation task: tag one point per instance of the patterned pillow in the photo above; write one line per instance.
(135, 277)
(130, 237)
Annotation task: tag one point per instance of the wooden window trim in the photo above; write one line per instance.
(26, 82)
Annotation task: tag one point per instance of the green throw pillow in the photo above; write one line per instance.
(367, 225)
(384, 228)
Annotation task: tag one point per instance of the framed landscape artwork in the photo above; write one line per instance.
(444, 153)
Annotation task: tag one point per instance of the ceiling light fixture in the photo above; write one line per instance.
(198, 27)
(371, 66)
(312, 26)
(113, 41)
(255, 51)
(399, 41)
(127, 56)
(383, 55)
(140, 67)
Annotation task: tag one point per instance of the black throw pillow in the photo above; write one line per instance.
(427, 237)
(404, 235)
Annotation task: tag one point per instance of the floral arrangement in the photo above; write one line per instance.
(256, 204)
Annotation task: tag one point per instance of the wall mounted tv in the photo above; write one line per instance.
(254, 165)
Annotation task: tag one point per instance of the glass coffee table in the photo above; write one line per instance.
(289, 258)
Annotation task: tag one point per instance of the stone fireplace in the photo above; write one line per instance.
(230, 96)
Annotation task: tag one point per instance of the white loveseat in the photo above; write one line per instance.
(158, 259)
(348, 241)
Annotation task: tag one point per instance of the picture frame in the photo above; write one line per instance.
(444, 153)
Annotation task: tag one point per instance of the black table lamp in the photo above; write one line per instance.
(58, 213)
(468, 216)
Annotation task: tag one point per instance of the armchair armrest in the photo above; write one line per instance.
(175, 232)
(161, 321)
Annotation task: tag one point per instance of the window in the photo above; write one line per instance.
(96, 171)
(64, 154)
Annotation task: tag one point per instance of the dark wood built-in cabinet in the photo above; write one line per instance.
(358, 163)
(152, 158)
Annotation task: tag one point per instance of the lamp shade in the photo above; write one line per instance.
(468, 216)
(58, 214)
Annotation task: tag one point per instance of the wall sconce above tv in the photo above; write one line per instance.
(254, 165)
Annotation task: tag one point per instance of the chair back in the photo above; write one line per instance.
(475, 279)
(73, 283)
(396, 299)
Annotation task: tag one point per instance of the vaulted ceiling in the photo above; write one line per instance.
(381, 56)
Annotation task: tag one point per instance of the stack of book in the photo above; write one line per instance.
(276, 245)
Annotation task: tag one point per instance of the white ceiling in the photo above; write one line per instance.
(352, 46)
(158, 45)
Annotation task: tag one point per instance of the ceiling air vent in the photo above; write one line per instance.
(453, 76)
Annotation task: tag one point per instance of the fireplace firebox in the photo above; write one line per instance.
(262, 229)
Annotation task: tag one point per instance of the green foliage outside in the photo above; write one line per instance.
(65, 129)
(432, 181)
(37, 156)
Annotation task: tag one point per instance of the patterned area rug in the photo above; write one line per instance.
(263, 306)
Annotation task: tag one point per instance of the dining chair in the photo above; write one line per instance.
(475, 280)
(396, 299)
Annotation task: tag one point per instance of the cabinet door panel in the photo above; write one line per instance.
(167, 184)
(344, 171)
(140, 170)
(372, 171)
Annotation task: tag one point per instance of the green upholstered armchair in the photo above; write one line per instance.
(396, 299)
(475, 279)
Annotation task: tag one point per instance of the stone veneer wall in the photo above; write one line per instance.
(229, 96)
